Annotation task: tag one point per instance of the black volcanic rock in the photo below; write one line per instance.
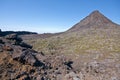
(1, 41)
(13, 37)
(23, 44)
(19, 50)
(22, 62)
(26, 57)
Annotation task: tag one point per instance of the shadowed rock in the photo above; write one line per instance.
(13, 37)
(19, 50)
(22, 44)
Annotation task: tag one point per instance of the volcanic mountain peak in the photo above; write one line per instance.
(96, 16)
(93, 20)
(96, 13)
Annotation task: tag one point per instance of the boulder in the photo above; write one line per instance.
(38, 77)
(95, 67)
(1, 48)
(72, 76)
(1, 41)
(13, 37)
(18, 51)
(7, 47)
(22, 44)
(26, 56)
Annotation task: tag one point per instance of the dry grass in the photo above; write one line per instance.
(105, 41)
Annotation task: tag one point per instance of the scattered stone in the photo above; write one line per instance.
(1, 41)
(11, 37)
(7, 47)
(22, 44)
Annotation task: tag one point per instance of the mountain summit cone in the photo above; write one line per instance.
(94, 20)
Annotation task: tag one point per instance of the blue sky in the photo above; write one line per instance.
(44, 16)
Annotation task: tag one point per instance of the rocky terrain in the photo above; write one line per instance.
(90, 50)
(19, 61)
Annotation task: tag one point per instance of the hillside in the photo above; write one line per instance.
(95, 33)
(28, 37)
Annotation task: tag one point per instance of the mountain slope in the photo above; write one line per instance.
(95, 33)
(93, 45)
(94, 20)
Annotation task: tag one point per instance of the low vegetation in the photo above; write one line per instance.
(81, 43)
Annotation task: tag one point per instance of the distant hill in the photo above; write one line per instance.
(3, 33)
(38, 36)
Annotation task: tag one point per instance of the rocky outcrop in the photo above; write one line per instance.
(14, 56)
(19, 50)
(19, 61)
